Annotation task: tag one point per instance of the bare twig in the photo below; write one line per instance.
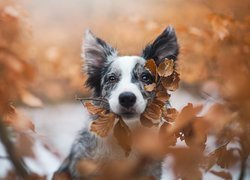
(92, 99)
(4, 157)
(243, 168)
(16, 161)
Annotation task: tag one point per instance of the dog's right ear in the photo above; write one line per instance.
(96, 54)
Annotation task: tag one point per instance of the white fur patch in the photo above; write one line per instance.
(126, 64)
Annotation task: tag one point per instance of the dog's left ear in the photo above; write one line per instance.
(164, 46)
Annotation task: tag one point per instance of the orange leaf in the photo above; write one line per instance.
(123, 135)
(30, 99)
(162, 96)
(187, 114)
(18, 120)
(146, 121)
(170, 114)
(93, 109)
(166, 68)
(171, 83)
(151, 66)
(103, 124)
(167, 138)
(150, 87)
(153, 112)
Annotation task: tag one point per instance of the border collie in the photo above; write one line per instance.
(120, 80)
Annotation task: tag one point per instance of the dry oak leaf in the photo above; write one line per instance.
(18, 119)
(103, 124)
(170, 114)
(146, 121)
(162, 96)
(150, 87)
(151, 66)
(166, 68)
(153, 111)
(195, 133)
(92, 109)
(171, 82)
(187, 115)
(123, 135)
(166, 137)
(30, 100)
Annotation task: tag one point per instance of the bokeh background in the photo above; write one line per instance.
(41, 70)
(58, 26)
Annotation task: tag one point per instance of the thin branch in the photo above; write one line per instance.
(4, 157)
(91, 99)
(243, 169)
(16, 161)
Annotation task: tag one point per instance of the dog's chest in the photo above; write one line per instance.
(109, 148)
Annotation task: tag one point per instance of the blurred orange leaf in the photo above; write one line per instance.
(123, 135)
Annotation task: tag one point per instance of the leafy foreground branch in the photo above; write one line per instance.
(17, 162)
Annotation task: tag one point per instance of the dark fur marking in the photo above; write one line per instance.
(165, 46)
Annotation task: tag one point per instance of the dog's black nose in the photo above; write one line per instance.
(127, 99)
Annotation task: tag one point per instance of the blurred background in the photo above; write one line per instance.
(58, 26)
(41, 67)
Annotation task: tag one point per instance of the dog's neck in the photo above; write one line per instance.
(132, 123)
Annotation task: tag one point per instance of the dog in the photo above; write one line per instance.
(120, 80)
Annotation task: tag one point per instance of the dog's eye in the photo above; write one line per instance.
(112, 78)
(147, 78)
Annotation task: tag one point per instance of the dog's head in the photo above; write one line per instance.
(121, 79)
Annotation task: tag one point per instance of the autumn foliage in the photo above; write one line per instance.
(214, 65)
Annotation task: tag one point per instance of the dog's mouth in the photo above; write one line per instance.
(128, 113)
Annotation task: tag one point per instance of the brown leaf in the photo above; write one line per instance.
(171, 83)
(187, 114)
(153, 112)
(166, 68)
(146, 121)
(195, 133)
(18, 120)
(146, 141)
(61, 176)
(103, 124)
(167, 138)
(151, 66)
(162, 96)
(150, 87)
(170, 114)
(92, 109)
(220, 114)
(159, 103)
(30, 99)
(123, 136)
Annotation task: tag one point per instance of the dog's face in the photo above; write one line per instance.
(121, 79)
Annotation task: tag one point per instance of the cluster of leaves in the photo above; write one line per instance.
(16, 72)
(166, 78)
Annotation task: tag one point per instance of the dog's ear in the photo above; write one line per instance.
(164, 46)
(96, 54)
